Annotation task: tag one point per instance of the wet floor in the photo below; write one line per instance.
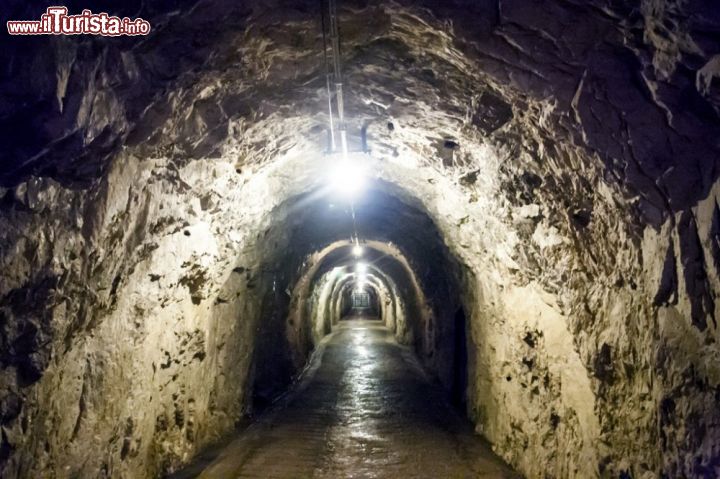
(364, 409)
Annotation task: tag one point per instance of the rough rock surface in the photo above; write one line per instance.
(555, 165)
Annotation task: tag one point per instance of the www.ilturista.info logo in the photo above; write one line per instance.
(56, 21)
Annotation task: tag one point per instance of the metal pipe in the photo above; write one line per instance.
(339, 98)
(327, 79)
(330, 112)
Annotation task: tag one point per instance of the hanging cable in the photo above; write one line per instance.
(337, 66)
(339, 97)
(356, 235)
(327, 78)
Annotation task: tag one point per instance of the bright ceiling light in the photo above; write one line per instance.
(347, 177)
(357, 251)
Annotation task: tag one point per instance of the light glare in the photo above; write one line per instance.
(357, 251)
(347, 177)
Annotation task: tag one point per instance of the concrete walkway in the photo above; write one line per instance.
(364, 409)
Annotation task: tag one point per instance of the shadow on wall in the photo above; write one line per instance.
(458, 392)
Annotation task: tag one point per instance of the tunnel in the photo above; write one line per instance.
(360, 238)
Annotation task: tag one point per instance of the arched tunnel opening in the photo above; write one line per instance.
(319, 273)
(360, 238)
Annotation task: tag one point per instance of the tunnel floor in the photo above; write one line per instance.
(364, 408)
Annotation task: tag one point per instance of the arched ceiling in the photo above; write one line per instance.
(531, 143)
(395, 231)
(432, 80)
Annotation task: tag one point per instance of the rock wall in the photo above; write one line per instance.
(130, 314)
(109, 371)
(556, 163)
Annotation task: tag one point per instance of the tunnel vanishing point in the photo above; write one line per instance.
(537, 237)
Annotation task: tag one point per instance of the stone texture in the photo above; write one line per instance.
(550, 167)
(364, 408)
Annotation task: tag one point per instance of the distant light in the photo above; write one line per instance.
(347, 177)
(357, 251)
(361, 268)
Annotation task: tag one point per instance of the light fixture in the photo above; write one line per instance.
(347, 177)
(357, 251)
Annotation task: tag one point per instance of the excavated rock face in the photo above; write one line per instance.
(545, 169)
